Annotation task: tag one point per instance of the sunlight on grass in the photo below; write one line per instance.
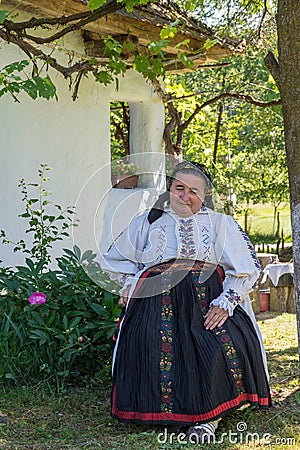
(261, 222)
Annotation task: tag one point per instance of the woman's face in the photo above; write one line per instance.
(187, 193)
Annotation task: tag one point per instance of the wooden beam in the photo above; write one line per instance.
(118, 24)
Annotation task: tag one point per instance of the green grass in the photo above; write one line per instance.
(261, 223)
(33, 419)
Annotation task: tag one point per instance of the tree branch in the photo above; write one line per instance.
(245, 97)
(76, 88)
(33, 51)
(273, 66)
(170, 127)
(265, 10)
(82, 18)
(42, 22)
(176, 122)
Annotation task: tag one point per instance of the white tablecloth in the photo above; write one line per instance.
(276, 270)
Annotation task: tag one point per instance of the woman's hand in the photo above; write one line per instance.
(215, 317)
(123, 300)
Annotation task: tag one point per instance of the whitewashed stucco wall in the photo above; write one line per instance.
(73, 138)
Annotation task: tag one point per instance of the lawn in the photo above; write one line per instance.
(33, 418)
(261, 222)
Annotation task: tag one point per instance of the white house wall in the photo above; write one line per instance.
(73, 138)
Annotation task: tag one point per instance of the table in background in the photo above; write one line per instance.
(282, 291)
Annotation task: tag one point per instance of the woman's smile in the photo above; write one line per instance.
(186, 194)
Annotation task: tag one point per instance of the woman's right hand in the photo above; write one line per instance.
(123, 300)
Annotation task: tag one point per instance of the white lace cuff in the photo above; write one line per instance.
(125, 281)
(228, 300)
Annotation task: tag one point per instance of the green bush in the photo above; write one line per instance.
(56, 325)
(68, 336)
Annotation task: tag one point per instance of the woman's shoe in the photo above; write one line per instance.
(202, 434)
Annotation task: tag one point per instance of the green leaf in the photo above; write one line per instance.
(103, 77)
(29, 264)
(190, 5)
(38, 320)
(209, 43)
(186, 60)
(18, 66)
(99, 309)
(16, 328)
(97, 335)
(95, 4)
(30, 88)
(157, 46)
(69, 252)
(141, 63)
(185, 43)
(74, 322)
(77, 252)
(3, 15)
(51, 317)
(131, 3)
(46, 89)
(31, 201)
(170, 30)
(88, 255)
(40, 335)
(113, 45)
(65, 322)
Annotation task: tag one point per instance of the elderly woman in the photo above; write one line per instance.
(189, 349)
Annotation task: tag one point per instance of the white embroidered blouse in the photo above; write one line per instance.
(207, 236)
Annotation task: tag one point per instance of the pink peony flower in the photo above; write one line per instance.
(37, 298)
(80, 339)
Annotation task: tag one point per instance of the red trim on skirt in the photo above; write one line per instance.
(162, 416)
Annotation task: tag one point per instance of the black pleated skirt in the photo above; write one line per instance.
(168, 368)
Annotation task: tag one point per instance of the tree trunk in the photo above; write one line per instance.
(218, 126)
(274, 218)
(288, 26)
(218, 129)
(246, 221)
(277, 232)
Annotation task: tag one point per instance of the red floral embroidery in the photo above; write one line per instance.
(201, 292)
(166, 300)
(166, 347)
(166, 398)
(231, 354)
(166, 355)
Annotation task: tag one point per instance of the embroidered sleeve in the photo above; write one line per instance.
(122, 259)
(241, 266)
